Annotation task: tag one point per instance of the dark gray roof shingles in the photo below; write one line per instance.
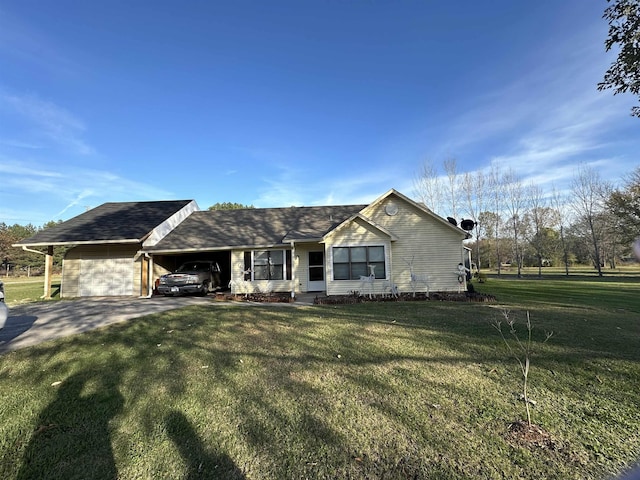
(216, 229)
(110, 222)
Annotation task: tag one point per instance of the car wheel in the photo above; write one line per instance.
(205, 289)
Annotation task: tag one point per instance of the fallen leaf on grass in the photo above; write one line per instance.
(532, 402)
(44, 428)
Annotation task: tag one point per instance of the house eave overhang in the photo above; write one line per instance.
(127, 241)
(223, 248)
(304, 240)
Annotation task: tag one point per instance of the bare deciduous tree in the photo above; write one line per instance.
(451, 168)
(427, 186)
(542, 219)
(559, 203)
(474, 186)
(496, 187)
(588, 203)
(515, 202)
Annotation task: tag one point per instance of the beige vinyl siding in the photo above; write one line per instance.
(239, 285)
(101, 270)
(356, 234)
(434, 247)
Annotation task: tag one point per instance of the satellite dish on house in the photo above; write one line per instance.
(467, 224)
(452, 221)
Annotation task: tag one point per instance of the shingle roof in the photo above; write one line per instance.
(110, 222)
(216, 229)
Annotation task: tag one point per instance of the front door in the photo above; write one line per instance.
(316, 272)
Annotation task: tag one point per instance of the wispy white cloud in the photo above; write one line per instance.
(546, 121)
(50, 121)
(323, 185)
(82, 195)
(11, 168)
(19, 144)
(69, 191)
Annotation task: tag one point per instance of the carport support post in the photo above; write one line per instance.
(48, 272)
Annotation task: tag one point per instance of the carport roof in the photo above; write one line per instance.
(109, 223)
(225, 229)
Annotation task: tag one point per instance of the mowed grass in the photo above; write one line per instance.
(390, 390)
(25, 290)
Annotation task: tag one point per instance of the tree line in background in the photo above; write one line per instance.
(17, 261)
(592, 223)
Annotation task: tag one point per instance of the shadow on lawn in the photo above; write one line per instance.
(71, 436)
(200, 462)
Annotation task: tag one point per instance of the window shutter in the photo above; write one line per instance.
(288, 262)
(247, 266)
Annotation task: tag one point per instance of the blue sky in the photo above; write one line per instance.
(285, 103)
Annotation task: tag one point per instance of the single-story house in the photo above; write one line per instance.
(391, 243)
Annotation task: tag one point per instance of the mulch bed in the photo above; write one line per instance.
(536, 439)
(255, 297)
(406, 297)
(519, 432)
(359, 298)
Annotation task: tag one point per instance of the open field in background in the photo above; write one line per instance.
(622, 269)
(20, 290)
(392, 390)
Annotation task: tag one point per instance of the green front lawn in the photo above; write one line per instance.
(24, 290)
(385, 390)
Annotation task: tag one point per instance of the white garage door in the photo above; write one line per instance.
(101, 277)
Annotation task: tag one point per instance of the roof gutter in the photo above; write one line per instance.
(47, 270)
(27, 249)
(86, 242)
(153, 251)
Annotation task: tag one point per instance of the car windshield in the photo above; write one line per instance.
(193, 267)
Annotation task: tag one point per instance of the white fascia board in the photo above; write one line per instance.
(166, 227)
(175, 251)
(87, 242)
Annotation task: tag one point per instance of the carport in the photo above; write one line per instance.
(165, 262)
(105, 244)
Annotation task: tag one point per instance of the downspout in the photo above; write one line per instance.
(47, 268)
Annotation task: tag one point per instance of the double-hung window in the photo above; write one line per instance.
(268, 265)
(351, 263)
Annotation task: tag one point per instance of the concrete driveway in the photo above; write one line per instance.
(33, 323)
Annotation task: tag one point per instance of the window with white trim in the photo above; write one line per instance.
(351, 263)
(267, 265)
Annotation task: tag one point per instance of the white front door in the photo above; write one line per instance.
(316, 272)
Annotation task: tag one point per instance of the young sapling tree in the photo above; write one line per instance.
(521, 351)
